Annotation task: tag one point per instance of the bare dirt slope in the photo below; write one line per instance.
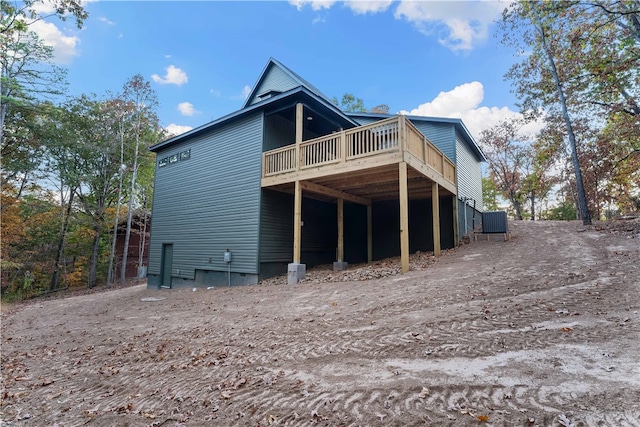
(541, 330)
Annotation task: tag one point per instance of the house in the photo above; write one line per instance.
(290, 180)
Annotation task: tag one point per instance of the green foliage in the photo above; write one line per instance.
(350, 103)
(565, 211)
(489, 194)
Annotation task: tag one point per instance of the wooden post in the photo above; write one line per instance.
(369, 233)
(343, 146)
(404, 218)
(402, 130)
(299, 124)
(456, 238)
(340, 230)
(297, 223)
(435, 208)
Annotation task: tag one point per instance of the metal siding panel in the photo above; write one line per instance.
(278, 132)
(276, 227)
(469, 174)
(275, 79)
(368, 120)
(442, 135)
(209, 202)
(495, 222)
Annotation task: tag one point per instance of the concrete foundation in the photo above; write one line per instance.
(295, 273)
(340, 265)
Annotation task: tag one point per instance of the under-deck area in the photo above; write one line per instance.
(388, 166)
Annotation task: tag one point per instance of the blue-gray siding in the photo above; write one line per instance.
(441, 135)
(276, 227)
(469, 173)
(274, 79)
(278, 132)
(210, 201)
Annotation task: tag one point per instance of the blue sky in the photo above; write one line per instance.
(202, 57)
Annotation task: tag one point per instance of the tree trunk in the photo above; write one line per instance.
(118, 204)
(143, 236)
(63, 234)
(518, 209)
(125, 251)
(93, 262)
(582, 196)
(112, 254)
(533, 205)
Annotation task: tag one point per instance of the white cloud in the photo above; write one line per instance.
(106, 20)
(187, 109)
(315, 4)
(246, 91)
(463, 102)
(459, 25)
(215, 92)
(174, 76)
(174, 129)
(366, 6)
(64, 47)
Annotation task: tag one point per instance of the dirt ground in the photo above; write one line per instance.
(543, 329)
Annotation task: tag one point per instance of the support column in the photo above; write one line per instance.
(340, 264)
(456, 231)
(404, 218)
(296, 271)
(299, 128)
(369, 233)
(435, 208)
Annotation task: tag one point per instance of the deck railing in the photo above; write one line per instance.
(369, 140)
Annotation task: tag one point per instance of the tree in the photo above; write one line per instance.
(380, 109)
(583, 64)
(121, 112)
(22, 152)
(26, 71)
(98, 153)
(61, 163)
(541, 78)
(509, 157)
(18, 17)
(350, 103)
(143, 100)
(489, 194)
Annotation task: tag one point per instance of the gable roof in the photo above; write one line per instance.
(458, 124)
(277, 78)
(300, 94)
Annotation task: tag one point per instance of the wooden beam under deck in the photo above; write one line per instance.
(336, 194)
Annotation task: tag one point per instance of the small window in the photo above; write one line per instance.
(163, 162)
(185, 155)
(173, 159)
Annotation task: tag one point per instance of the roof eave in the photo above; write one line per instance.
(249, 109)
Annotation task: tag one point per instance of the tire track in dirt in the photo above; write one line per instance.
(481, 340)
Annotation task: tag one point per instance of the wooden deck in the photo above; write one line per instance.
(385, 160)
(361, 162)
